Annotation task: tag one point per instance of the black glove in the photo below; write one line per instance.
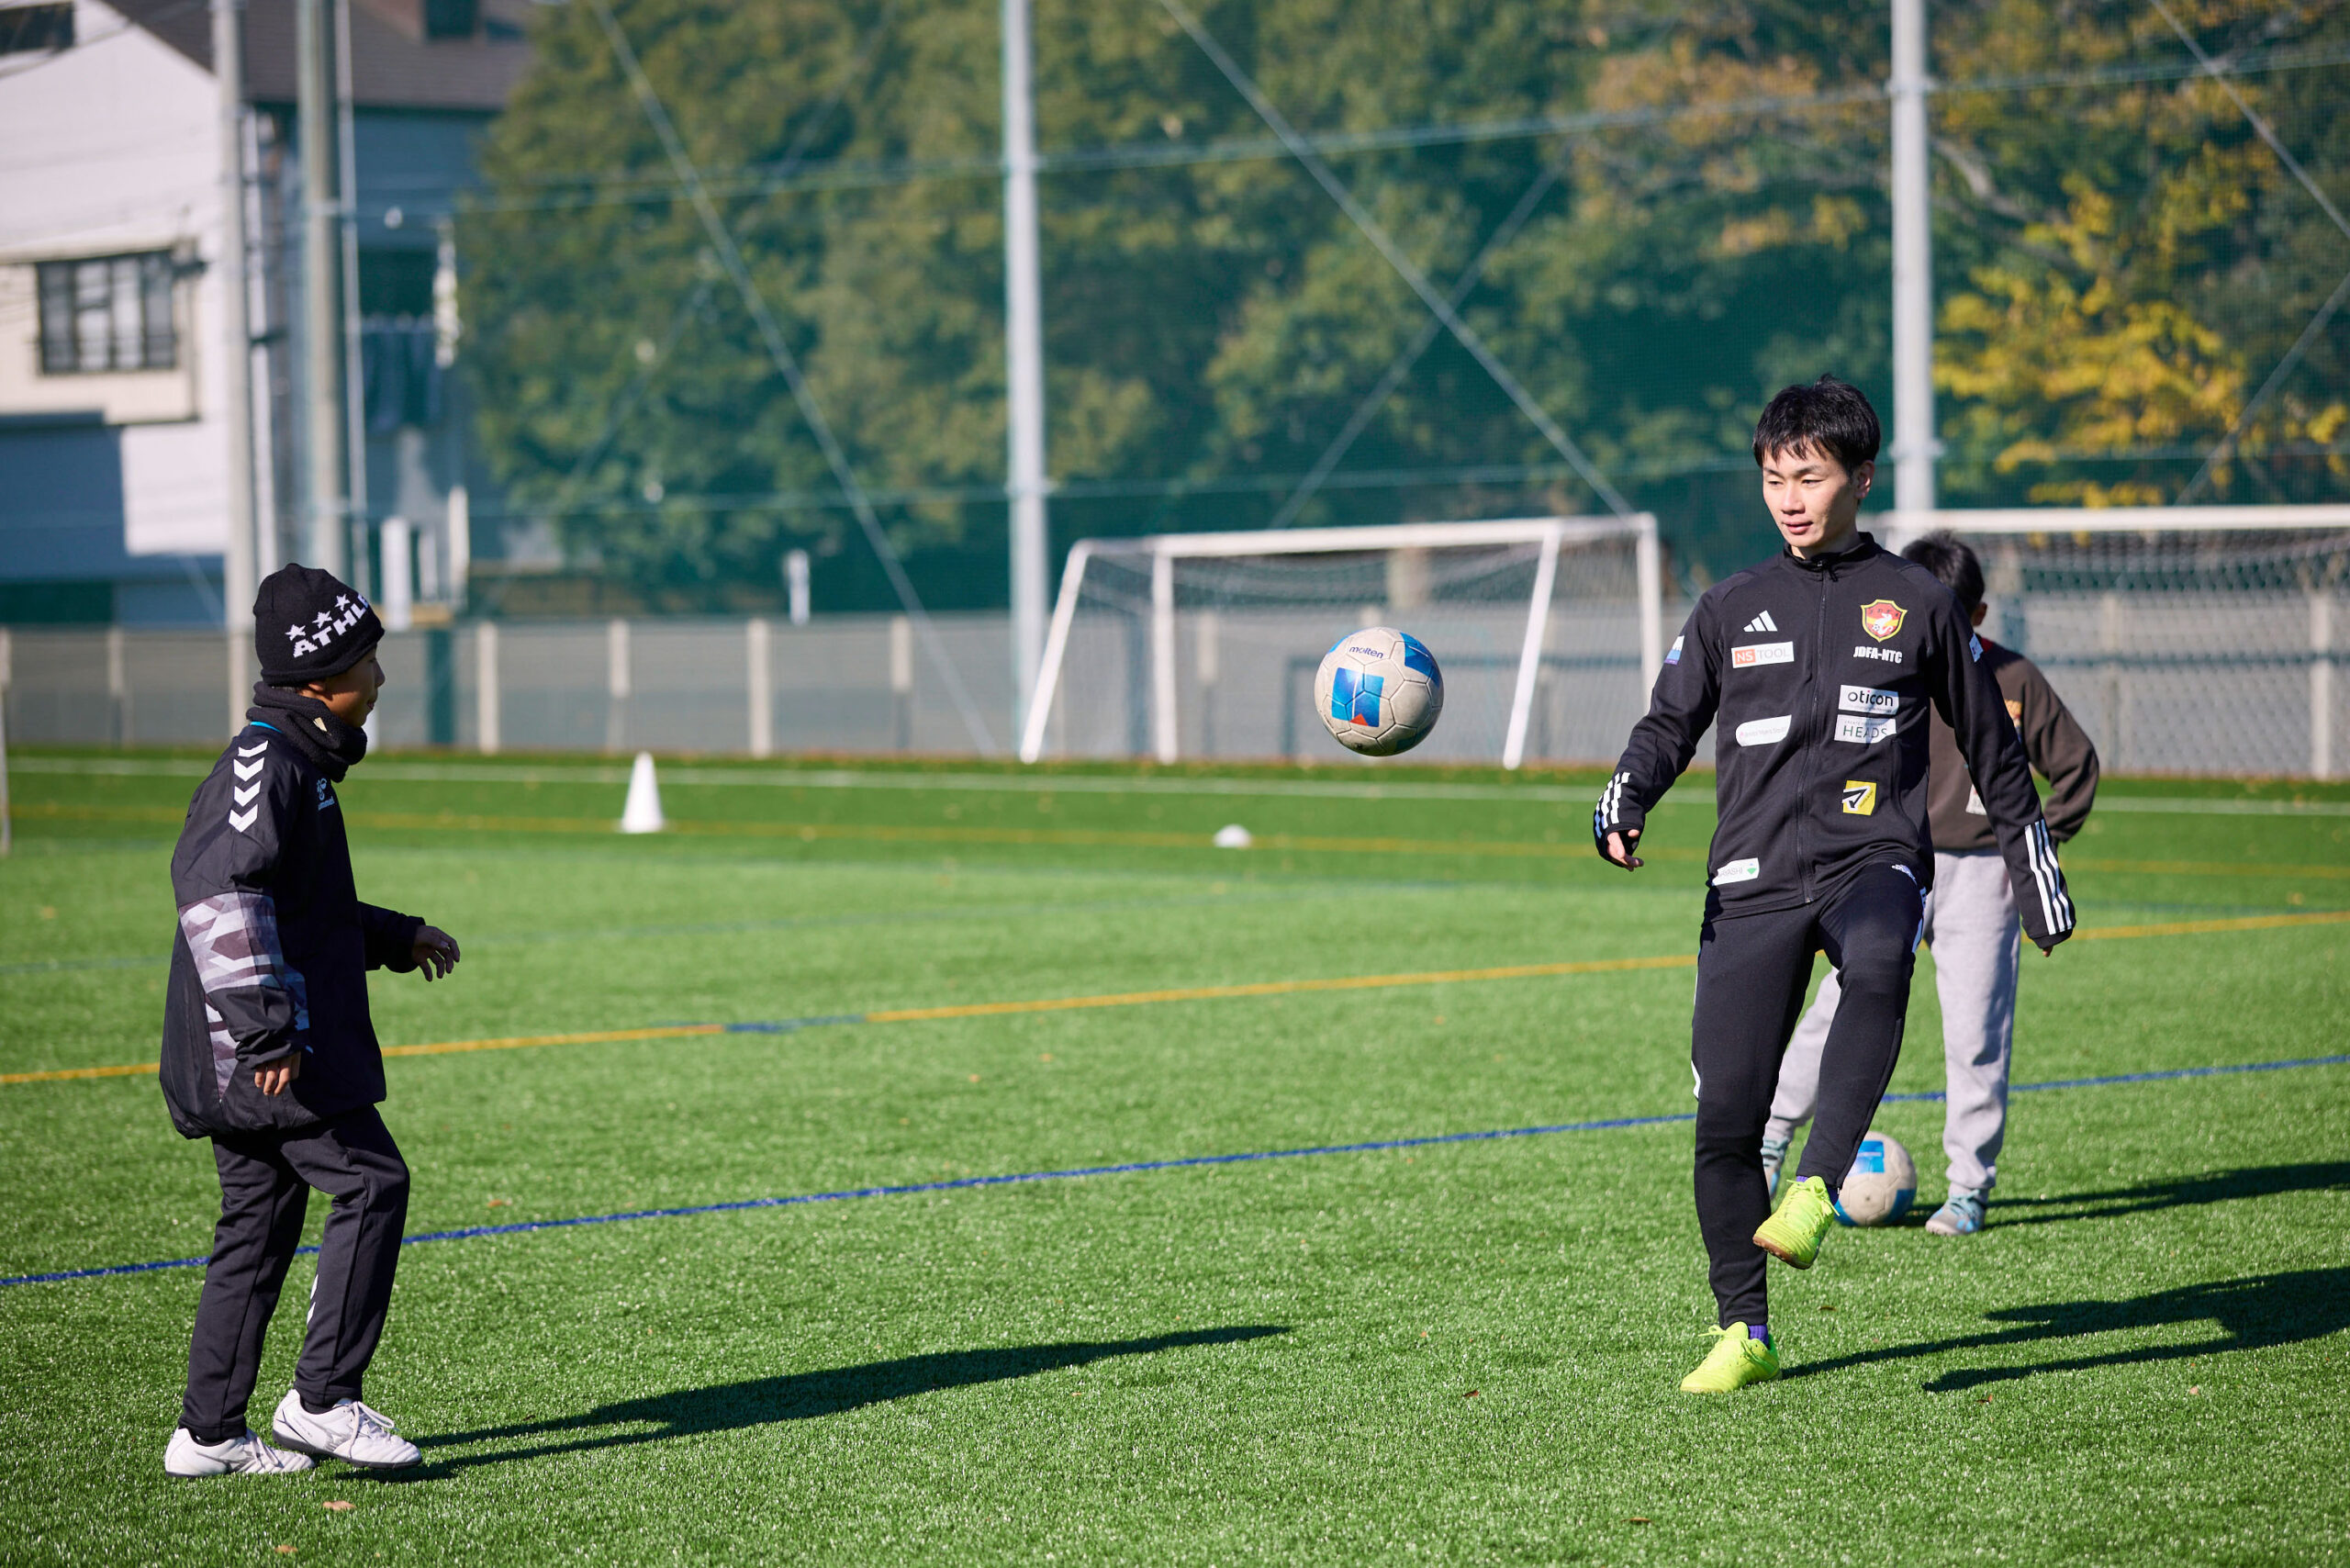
(1615, 814)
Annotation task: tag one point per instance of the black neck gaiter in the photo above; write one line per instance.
(312, 725)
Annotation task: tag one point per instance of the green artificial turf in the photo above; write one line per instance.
(1462, 1351)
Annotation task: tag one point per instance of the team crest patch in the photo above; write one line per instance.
(1860, 798)
(1881, 618)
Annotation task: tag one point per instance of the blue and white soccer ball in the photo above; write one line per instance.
(1379, 691)
(1881, 1185)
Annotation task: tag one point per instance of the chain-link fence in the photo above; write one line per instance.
(2179, 648)
(2163, 684)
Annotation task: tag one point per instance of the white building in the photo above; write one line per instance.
(114, 454)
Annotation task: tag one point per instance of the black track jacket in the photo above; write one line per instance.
(1819, 673)
(274, 949)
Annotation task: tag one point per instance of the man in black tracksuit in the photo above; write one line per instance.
(268, 1050)
(1817, 669)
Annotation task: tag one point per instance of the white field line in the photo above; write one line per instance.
(1072, 784)
(852, 778)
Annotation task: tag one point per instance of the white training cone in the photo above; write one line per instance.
(1232, 835)
(643, 812)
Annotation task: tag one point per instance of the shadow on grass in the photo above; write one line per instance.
(797, 1396)
(2253, 1312)
(2180, 1192)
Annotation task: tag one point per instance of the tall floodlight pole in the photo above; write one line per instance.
(1914, 446)
(1024, 358)
(327, 530)
(237, 570)
(236, 330)
(355, 405)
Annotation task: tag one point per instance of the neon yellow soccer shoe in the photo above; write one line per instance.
(1793, 1235)
(1733, 1362)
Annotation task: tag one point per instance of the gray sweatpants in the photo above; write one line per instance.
(1977, 940)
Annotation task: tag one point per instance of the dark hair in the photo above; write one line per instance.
(1829, 414)
(1943, 554)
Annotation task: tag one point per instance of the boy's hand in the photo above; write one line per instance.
(272, 1078)
(436, 952)
(1620, 845)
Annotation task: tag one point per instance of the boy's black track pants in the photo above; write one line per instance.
(1752, 971)
(265, 1181)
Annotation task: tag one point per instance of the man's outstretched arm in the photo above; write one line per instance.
(1970, 700)
(1681, 709)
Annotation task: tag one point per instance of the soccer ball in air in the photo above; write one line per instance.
(1379, 691)
(1880, 1186)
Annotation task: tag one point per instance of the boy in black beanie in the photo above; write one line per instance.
(268, 1050)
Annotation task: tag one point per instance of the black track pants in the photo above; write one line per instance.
(1752, 970)
(265, 1181)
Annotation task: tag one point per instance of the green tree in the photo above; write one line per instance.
(2121, 261)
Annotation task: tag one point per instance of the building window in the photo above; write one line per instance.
(451, 19)
(107, 313)
(29, 29)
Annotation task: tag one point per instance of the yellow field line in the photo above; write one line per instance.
(2202, 868)
(2204, 927)
(1278, 987)
(121, 1070)
(589, 1037)
(1200, 993)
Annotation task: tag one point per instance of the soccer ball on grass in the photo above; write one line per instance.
(1881, 1185)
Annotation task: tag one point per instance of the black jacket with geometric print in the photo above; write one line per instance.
(1818, 675)
(274, 949)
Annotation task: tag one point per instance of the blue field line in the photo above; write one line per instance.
(963, 1183)
(1936, 1095)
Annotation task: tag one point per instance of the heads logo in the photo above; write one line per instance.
(1881, 618)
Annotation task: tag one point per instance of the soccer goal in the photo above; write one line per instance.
(2185, 639)
(1547, 630)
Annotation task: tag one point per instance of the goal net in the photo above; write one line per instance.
(2184, 640)
(1548, 630)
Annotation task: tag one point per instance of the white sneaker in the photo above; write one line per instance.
(246, 1455)
(352, 1432)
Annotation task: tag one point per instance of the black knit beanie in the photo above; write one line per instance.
(309, 625)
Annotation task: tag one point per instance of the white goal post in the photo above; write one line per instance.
(1516, 550)
(2198, 640)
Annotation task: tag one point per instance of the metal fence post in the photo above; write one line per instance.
(1165, 736)
(902, 679)
(2322, 684)
(118, 685)
(762, 688)
(1207, 665)
(485, 714)
(2109, 641)
(616, 682)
